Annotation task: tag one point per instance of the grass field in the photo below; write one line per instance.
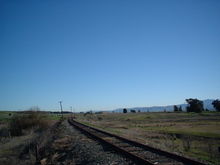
(5, 116)
(190, 134)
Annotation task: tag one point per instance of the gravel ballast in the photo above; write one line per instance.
(73, 147)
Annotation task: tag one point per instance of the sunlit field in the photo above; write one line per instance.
(196, 135)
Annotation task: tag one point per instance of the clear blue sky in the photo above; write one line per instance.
(108, 54)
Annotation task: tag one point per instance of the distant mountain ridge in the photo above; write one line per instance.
(207, 105)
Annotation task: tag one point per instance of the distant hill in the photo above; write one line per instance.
(207, 105)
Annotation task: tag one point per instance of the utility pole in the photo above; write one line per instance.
(74, 115)
(71, 109)
(61, 108)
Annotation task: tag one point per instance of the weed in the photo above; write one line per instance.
(186, 144)
(30, 119)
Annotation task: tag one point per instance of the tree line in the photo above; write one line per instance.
(194, 105)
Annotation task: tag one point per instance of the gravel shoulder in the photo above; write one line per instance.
(70, 146)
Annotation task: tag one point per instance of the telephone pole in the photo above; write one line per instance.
(74, 115)
(61, 108)
(71, 109)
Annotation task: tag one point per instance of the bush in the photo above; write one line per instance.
(4, 132)
(125, 110)
(29, 119)
(15, 126)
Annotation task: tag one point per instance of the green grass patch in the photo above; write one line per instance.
(53, 116)
(5, 116)
(201, 155)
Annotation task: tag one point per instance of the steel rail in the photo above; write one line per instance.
(134, 157)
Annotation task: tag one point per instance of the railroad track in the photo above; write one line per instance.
(137, 152)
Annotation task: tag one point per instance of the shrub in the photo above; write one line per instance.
(99, 118)
(29, 119)
(125, 110)
(15, 126)
(4, 132)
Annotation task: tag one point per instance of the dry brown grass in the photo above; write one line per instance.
(28, 120)
(189, 134)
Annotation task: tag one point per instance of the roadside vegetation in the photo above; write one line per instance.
(20, 132)
(28, 120)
